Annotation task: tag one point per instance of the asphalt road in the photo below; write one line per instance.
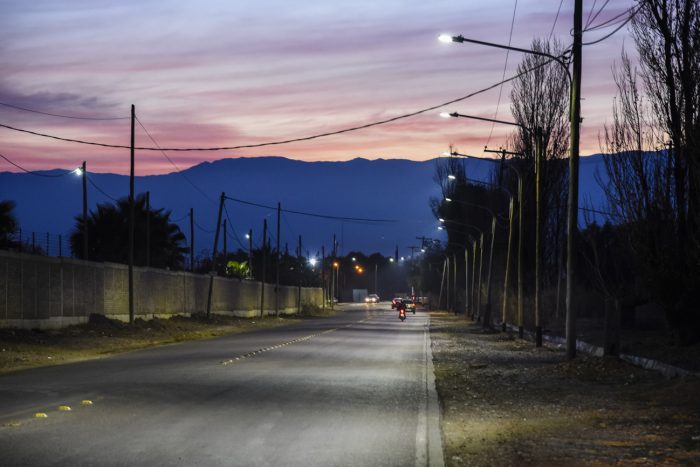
(355, 389)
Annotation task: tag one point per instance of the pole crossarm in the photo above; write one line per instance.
(484, 119)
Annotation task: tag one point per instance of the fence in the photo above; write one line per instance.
(46, 292)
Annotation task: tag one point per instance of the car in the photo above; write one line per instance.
(409, 305)
(395, 303)
(372, 298)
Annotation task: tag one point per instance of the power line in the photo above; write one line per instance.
(179, 171)
(293, 140)
(311, 214)
(629, 18)
(89, 179)
(59, 115)
(202, 228)
(505, 68)
(590, 20)
(36, 173)
(612, 21)
(556, 18)
(235, 235)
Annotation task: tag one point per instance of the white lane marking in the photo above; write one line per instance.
(284, 344)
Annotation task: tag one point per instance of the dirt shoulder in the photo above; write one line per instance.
(505, 402)
(21, 349)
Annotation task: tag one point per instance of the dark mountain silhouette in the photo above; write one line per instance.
(390, 189)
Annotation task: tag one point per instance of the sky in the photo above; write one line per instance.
(238, 72)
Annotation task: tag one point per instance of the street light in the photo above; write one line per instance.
(312, 262)
(451, 177)
(575, 126)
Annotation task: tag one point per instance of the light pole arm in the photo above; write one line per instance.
(462, 39)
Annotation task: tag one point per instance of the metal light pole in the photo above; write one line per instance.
(85, 211)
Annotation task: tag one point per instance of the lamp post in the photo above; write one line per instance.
(510, 239)
(470, 298)
(82, 171)
(575, 122)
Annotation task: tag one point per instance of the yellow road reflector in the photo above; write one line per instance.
(64, 408)
(86, 402)
(40, 415)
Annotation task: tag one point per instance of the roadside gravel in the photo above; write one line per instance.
(505, 402)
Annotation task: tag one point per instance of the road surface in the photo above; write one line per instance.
(354, 389)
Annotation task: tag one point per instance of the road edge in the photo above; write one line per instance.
(428, 430)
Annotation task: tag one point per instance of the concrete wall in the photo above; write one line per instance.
(45, 292)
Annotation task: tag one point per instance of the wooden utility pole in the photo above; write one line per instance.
(85, 212)
(212, 272)
(521, 316)
(474, 291)
(225, 242)
(466, 281)
(487, 315)
(192, 239)
(538, 236)
(323, 277)
(264, 267)
(442, 282)
(454, 283)
(575, 122)
(148, 229)
(250, 251)
(504, 316)
(447, 283)
(131, 221)
(301, 275)
(277, 263)
(481, 269)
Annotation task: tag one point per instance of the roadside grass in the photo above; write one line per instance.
(20, 349)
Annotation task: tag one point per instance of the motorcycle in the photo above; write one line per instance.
(402, 314)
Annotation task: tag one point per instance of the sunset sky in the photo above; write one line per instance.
(224, 73)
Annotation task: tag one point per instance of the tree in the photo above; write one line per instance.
(108, 235)
(655, 192)
(8, 223)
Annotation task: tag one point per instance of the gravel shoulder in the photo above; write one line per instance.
(505, 402)
(20, 349)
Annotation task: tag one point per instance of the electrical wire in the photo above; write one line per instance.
(505, 68)
(590, 12)
(590, 20)
(292, 140)
(556, 18)
(180, 218)
(311, 214)
(89, 179)
(179, 171)
(611, 21)
(615, 30)
(16, 107)
(36, 173)
(202, 228)
(235, 235)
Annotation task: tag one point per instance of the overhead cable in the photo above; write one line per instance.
(34, 172)
(4, 104)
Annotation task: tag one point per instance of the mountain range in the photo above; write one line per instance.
(393, 191)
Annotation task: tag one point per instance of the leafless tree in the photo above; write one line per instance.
(656, 191)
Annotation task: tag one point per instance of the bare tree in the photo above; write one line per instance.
(656, 192)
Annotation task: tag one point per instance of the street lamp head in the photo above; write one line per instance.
(78, 171)
(312, 262)
(445, 115)
(445, 38)
(422, 250)
(391, 260)
(354, 259)
(441, 220)
(336, 264)
(440, 227)
(247, 236)
(451, 177)
(449, 200)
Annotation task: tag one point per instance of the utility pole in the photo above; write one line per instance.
(487, 315)
(538, 236)
(264, 267)
(225, 242)
(376, 291)
(507, 274)
(323, 277)
(192, 239)
(85, 212)
(131, 221)
(148, 229)
(481, 268)
(277, 263)
(474, 291)
(212, 273)
(447, 283)
(301, 271)
(250, 251)
(466, 281)
(442, 282)
(454, 284)
(573, 183)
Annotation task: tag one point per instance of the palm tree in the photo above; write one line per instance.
(8, 224)
(108, 235)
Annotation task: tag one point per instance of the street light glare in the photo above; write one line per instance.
(440, 227)
(445, 114)
(451, 177)
(445, 38)
(312, 261)
(78, 171)
(449, 200)
(247, 237)
(441, 219)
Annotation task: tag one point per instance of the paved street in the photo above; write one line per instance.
(354, 389)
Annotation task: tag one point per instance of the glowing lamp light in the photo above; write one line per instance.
(445, 38)
(441, 228)
(403, 259)
(445, 114)
(422, 250)
(336, 264)
(312, 262)
(78, 171)
(441, 220)
(446, 154)
(451, 177)
(247, 237)
(391, 260)
(354, 259)
(449, 200)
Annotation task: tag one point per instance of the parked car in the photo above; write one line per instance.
(372, 298)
